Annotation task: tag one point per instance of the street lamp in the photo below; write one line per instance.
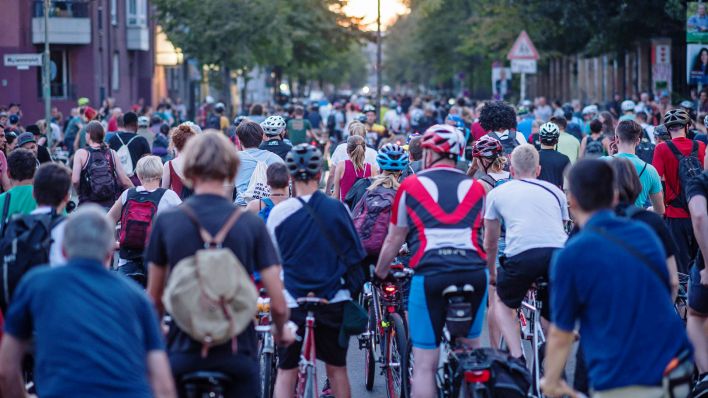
(46, 78)
(378, 60)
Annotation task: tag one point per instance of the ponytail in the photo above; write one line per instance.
(387, 179)
(356, 149)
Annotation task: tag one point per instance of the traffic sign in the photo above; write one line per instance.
(523, 66)
(23, 61)
(523, 48)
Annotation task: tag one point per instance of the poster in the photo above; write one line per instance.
(697, 65)
(501, 82)
(696, 22)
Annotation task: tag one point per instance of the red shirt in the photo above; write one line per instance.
(667, 166)
(477, 131)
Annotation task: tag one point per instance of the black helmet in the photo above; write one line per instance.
(676, 117)
(304, 162)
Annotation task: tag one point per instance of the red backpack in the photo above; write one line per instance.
(372, 216)
(136, 218)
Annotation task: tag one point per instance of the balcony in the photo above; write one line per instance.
(69, 22)
(137, 38)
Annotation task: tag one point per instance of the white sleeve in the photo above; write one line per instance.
(169, 200)
(124, 197)
(401, 215)
(339, 154)
(490, 211)
(56, 256)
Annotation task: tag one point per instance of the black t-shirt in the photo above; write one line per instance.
(174, 237)
(43, 154)
(698, 187)
(553, 164)
(138, 148)
(278, 147)
(656, 223)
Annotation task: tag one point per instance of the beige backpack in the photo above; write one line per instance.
(209, 295)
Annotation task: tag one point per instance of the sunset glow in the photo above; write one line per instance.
(390, 10)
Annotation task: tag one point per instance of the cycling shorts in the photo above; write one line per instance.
(427, 307)
(518, 273)
(697, 293)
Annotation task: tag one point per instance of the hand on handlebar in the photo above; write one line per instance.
(285, 336)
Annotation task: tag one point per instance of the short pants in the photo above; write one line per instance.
(241, 368)
(328, 320)
(518, 273)
(697, 293)
(427, 306)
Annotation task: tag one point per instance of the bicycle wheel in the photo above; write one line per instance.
(267, 372)
(369, 359)
(310, 390)
(396, 357)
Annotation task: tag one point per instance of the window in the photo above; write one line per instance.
(58, 75)
(114, 13)
(137, 13)
(115, 72)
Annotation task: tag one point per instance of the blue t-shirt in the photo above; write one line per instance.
(525, 126)
(92, 330)
(648, 177)
(628, 325)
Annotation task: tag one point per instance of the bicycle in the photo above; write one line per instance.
(386, 340)
(267, 354)
(531, 330)
(307, 369)
(681, 302)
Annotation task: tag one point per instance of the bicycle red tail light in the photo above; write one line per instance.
(390, 289)
(477, 376)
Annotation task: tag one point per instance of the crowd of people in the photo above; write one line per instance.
(156, 231)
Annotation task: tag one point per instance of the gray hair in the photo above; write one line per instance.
(88, 234)
(524, 159)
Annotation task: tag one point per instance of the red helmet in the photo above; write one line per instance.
(487, 147)
(443, 138)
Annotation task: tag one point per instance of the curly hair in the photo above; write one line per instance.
(497, 116)
(180, 135)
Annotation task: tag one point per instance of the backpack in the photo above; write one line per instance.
(137, 216)
(209, 294)
(493, 182)
(509, 141)
(371, 218)
(594, 148)
(645, 149)
(331, 122)
(508, 377)
(689, 167)
(264, 212)
(101, 175)
(25, 245)
(213, 121)
(258, 184)
(124, 155)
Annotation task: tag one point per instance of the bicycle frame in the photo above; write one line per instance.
(306, 386)
(531, 330)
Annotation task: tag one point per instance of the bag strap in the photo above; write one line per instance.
(634, 252)
(694, 149)
(5, 210)
(120, 139)
(207, 238)
(675, 150)
(643, 168)
(549, 191)
(323, 230)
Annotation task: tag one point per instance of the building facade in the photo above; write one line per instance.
(99, 49)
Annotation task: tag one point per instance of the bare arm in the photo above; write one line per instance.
(156, 286)
(165, 176)
(77, 140)
(492, 232)
(330, 178)
(253, 206)
(337, 179)
(163, 386)
(699, 216)
(583, 143)
(79, 160)
(116, 209)
(5, 180)
(558, 348)
(122, 177)
(657, 203)
(12, 350)
(270, 277)
(673, 276)
(394, 240)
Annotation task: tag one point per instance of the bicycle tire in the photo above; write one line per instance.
(267, 379)
(397, 383)
(369, 358)
(310, 390)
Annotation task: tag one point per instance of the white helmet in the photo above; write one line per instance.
(209, 99)
(628, 106)
(273, 125)
(590, 110)
(193, 126)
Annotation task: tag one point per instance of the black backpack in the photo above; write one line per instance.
(101, 175)
(25, 245)
(213, 121)
(508, 142)
(689, 167)
(645, 148)
(594, 148)
(509, 378)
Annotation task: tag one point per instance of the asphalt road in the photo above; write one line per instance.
(355, 367)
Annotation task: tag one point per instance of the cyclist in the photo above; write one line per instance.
(273, 137)
(340, 152)
(553, 163)
(533, 213)
(392, 160)
(488, 162)
(296, 228)
(355, 168)
(666, 163)
(375, 131)
(439, 212)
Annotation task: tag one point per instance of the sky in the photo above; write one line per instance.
(390, 9)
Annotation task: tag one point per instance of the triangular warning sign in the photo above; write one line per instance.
(523, 48)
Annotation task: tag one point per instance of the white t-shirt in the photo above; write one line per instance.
(56, 256)
(340, 154)
(533, 216)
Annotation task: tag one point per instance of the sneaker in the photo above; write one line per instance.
(326, 390)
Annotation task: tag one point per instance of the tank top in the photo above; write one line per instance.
(177, 185)
(351, 175)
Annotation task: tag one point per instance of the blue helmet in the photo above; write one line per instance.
(456, 120)
(392, 157)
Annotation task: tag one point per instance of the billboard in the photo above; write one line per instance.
(697, 43)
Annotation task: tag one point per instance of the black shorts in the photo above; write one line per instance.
(518, 273)
(328, 321)
(697, 293)
(241, 368)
